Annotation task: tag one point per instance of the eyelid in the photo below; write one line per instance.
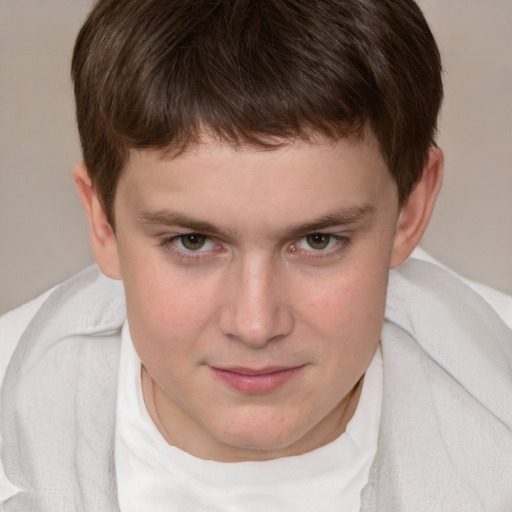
(332, 240)
(215, 247)
(340, 242)
(173, 244)
(207, 246)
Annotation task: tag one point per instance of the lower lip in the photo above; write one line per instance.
(257, 383)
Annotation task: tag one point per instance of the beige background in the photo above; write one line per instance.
(43, 235)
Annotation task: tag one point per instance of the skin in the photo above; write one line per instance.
(287, 267)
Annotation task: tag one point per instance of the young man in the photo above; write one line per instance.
(252, 171)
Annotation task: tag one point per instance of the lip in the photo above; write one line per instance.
(256, 381)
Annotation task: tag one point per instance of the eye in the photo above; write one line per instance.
(194, 242)
(318, 242)
(192, 248)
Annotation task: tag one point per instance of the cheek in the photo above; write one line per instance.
(352, 298)
(167, 310)
(348, 311)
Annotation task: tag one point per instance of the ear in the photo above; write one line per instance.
(103, 238)
(415, 213)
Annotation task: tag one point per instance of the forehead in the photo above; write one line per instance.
(216, 180)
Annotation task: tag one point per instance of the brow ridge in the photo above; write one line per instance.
(341, 217)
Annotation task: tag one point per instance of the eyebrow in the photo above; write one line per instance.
(338, 218)
(168, 218)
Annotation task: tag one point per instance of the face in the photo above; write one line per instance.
(255, 285)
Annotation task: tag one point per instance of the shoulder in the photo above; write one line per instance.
(499, 301)
(453, 326)
(68, 335)
(84, 301)
(13, 324)
(447, 360)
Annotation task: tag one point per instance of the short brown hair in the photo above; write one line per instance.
(159, 73)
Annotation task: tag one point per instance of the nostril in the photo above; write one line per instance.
(259, 332)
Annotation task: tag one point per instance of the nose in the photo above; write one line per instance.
(256, 310)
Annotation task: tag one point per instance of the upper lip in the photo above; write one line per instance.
(243, 370)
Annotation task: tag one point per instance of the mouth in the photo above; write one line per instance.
(256, 381)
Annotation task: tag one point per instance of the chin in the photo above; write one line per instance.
(259, 440)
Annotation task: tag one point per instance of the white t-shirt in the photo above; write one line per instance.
(154, 476)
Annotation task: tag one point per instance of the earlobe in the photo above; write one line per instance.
(103, 239)
(415, 213)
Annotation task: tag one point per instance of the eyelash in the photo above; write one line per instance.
(337, 239)
(169, 245)
(340, 244)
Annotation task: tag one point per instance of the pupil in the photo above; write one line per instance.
(193, 242)
(318, 241)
